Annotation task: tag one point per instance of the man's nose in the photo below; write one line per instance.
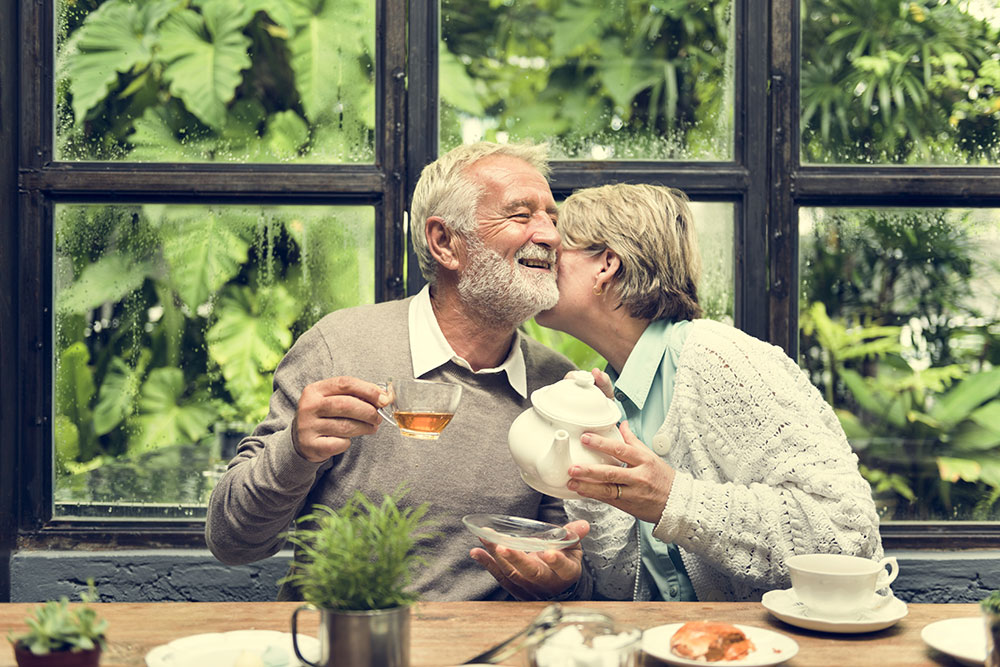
(545, 232)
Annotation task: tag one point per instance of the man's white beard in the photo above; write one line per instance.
(505, 293)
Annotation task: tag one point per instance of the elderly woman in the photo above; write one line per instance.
(746, 464)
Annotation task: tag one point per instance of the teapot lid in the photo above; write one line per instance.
(576, 400)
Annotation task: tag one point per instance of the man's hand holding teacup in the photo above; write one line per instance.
(331, 412)
(539, 575)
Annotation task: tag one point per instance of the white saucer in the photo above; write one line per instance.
(964, 639)
(772, 648)
(224, 648)
(785, 605)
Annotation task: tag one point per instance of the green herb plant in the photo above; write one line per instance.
(362, 556)
(57, 627)
(991, 603)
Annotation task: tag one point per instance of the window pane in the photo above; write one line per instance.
(900, 317)
(628, 80)
(714, 222)
(169, 323)
(889, 82)
(215, 81)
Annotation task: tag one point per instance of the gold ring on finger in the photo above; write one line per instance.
(619, 496)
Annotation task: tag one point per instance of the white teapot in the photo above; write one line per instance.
(545, 440)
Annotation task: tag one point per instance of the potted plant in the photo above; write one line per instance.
(62, 636)
(355, 565)
(990, 606)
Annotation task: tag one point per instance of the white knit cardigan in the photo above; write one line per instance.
(764, 472)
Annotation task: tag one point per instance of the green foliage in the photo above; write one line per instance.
(56, 627)
(903, 354)
(642, 79)
(899, 82)
(170, 319)
(361, 556)
(991, 603)
(217, 80)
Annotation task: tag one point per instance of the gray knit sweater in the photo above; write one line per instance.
(469, 469)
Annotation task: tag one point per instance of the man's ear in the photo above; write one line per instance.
(444, 244)
(608, 269)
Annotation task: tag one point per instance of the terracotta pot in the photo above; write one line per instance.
(26, 658)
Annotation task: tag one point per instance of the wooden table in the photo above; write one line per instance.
(447, 633)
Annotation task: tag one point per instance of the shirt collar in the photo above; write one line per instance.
(429, 349)
(642, 364)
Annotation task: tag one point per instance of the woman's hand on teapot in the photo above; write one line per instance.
(641, 488)
(539, 575)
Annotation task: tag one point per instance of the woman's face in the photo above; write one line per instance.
(577, 275)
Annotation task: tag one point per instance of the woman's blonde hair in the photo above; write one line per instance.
(651, 229)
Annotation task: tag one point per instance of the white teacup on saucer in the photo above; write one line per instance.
(838, 586)
(785, 606)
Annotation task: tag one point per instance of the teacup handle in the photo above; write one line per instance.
(885, 579)
(387, 411)
(295, 633)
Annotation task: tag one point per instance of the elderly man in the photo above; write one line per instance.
(488, 251)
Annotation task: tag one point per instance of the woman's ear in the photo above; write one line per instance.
(444, 245)
(607, 269)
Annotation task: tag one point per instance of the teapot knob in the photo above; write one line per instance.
(582, 378)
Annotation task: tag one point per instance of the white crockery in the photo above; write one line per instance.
(785, 606)
(770, 647)
(835, 585)
(544, 440)
(964, 639)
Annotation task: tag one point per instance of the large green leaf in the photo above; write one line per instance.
(205, 56)
(286, 134)
(457, 88)
(966, 396)
(116, 398)
(74, 383)
(204, 252)
(326, 48)
(164, 419)
(117, 37)
(109, 279)
(251, 335)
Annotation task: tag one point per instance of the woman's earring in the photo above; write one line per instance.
(598, 290)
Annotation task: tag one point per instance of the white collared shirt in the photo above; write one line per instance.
(430, 349)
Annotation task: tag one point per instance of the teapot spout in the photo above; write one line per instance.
(553, 465)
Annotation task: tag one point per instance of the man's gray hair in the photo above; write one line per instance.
(445, 190)
(651, 229)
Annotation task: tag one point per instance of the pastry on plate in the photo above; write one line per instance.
(710, 641)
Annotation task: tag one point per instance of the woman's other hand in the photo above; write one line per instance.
(641, 488)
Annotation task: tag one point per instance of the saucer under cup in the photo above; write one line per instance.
(839, 586)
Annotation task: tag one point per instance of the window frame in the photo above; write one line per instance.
(765, 182)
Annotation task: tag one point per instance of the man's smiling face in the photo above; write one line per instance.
(510, 273)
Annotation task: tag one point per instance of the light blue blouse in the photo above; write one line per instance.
(643, 392)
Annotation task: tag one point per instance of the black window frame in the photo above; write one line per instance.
(765, 181)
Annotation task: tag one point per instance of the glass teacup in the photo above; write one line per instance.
(420, 408)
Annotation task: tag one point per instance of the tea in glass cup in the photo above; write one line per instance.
(420, 408)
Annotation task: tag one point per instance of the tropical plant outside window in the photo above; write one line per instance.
(217, 80)
(890, 82)
(627, 80)
(898, 307)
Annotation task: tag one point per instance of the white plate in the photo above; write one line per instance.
(964, 639)
(223, 649)
(519, 533)
(772, 648)
(785, 605)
